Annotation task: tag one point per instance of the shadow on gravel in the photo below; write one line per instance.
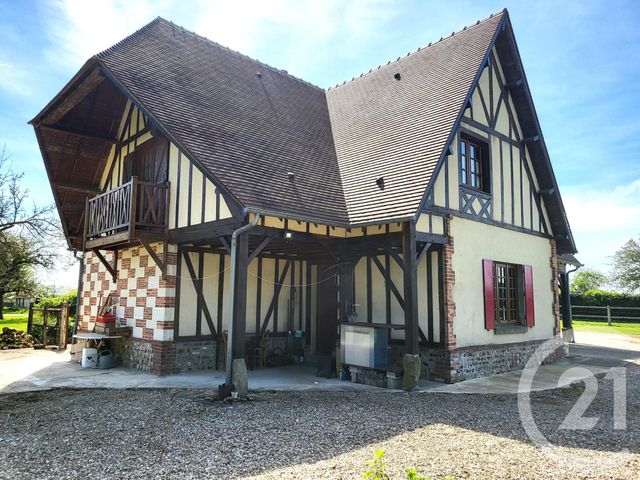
(166, 432)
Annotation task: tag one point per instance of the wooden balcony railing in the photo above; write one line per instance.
(121, 215)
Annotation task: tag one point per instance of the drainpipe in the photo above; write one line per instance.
(567, 300)
(232, 282)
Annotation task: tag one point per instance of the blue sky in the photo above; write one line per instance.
(581, 59)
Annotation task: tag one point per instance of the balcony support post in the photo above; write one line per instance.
(132, 208)
(162, 264)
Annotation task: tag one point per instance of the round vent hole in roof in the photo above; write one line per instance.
(397, 76)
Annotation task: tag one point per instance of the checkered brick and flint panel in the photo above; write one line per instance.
(145, 301)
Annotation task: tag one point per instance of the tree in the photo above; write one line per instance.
(585, 280)
(626, 266)
(29, 236)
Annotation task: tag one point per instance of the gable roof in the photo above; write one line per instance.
(248, 124)
(398, 129)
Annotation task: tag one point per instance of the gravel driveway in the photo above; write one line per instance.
(186, 434)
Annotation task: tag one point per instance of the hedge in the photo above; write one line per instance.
(602, 298)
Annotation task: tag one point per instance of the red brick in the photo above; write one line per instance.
(144, 260)
(141, 302)
(148, 313)
(141, 283)
(140, 322)
(152, 292)
(147, 333)
(165, 302)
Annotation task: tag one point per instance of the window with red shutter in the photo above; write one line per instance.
(508, 296)
(489, 295)
(528, 296)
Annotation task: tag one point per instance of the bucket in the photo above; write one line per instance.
(105, 359)
(89, 357)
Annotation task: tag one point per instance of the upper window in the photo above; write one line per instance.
(474, 171)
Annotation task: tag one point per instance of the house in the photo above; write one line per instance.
(224, 201)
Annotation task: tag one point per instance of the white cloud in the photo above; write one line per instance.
(295, 32)
(5, 65)
(79, 29)
(602, 220)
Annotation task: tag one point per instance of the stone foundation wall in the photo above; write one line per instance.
(147, 355)
(194, 356)
(465, 363)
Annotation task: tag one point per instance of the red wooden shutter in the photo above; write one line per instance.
(489, 295)
(528, 295)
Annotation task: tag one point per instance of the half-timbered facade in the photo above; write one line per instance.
(236, 212)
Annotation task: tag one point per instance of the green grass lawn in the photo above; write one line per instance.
(602, 327)
(14, 320)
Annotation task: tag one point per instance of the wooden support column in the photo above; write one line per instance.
(240, 296)
(346, 290)
(410, 288)
(566, 301)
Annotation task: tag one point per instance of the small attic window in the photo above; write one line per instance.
(380, 182)
(259, 74)
(397, 76)
(290, 176)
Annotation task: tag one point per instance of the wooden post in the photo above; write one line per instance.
(64, 326)
(566, 301)
(86, 224)
(132, 208)
(45, 313)
(410, 288)
(30, 319)
(609, 314)
(240, 297)
(346, 291)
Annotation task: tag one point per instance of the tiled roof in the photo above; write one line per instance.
(250, 124)
(398, 128)
(247, 123)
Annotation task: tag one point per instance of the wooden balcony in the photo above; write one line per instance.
(136, 210)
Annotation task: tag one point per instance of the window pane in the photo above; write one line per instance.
(463, 147)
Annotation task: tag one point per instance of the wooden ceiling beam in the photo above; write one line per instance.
(68, 131)
(88, 84)
(78, 188)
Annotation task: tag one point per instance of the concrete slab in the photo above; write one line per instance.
(28, 370)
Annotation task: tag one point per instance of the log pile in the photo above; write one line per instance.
(12, 338)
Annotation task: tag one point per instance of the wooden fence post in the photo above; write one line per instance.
(609, 314)
(30, 318)
(64, 326)
(45, 314)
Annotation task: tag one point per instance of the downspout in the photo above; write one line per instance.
(567, 299)
(232, 282)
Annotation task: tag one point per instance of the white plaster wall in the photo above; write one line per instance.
(476, 241)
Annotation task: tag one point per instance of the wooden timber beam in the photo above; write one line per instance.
(239, 307)
(274, 300)
(198, 285)
(423, 251)
(88, 84)
(78, 188)
(386, 273)
(112, 269)
(203, 232)
(258, 249)
(68, 131)
(410, 288)
(162, 264)
(392, 286)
